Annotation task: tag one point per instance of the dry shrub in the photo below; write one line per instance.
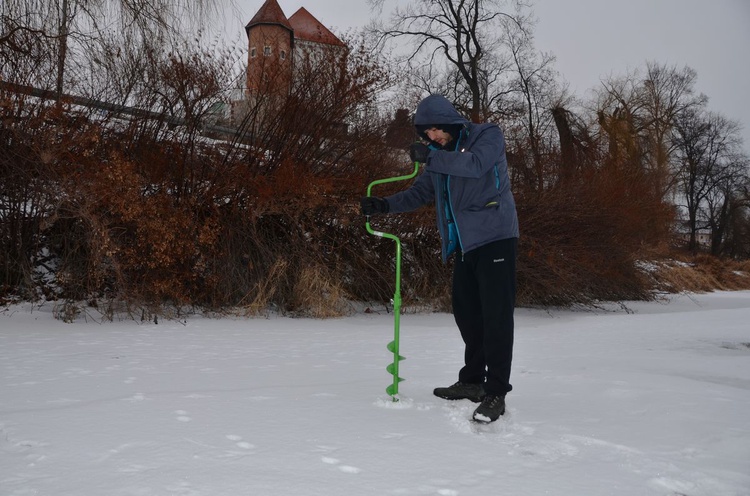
(113, 226)
(160, 217)
(672, 276)
(265, 289)
(698, 274)
(728, 275)
(580, 240)
(426, 280)
(317, 295)
(136, 236)
(711, 270)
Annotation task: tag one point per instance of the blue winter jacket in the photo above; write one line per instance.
(469, 185)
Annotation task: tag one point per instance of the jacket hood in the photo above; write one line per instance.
(435, 110)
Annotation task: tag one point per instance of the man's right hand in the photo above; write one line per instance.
(372, 205)
(419, 152)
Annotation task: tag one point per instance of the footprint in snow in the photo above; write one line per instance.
(393, 435)
(182, 416)
(136, 397)
(239, 442)
(347, 469)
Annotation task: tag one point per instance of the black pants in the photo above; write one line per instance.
(484, 297)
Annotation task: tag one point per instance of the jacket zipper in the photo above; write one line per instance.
(450, 201)
(453, 215)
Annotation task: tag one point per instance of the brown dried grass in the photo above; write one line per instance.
(699, 274)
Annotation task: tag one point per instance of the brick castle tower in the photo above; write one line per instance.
(276, 44)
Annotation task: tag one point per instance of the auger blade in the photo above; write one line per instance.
(398, 358)
(392, 389)
(392, 348)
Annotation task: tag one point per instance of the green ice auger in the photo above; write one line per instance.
(393, 346)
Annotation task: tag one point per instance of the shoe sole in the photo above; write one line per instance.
(473, 399)
(485, 419)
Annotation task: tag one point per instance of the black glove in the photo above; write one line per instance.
(419, 152)
(373, 205)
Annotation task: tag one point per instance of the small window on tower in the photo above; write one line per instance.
(253, 52)
(283, 55)
(266, 51)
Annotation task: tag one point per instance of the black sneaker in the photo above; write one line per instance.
(461, 391)
(491, 408)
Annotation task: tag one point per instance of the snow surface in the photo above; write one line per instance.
(653, 399)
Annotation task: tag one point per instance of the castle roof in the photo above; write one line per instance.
(269, 13)
(308, 28)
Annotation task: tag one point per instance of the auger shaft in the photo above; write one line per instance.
(393, 346)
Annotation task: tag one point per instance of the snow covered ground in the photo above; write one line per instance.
(650, 401)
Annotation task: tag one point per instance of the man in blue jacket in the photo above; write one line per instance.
(466, 177)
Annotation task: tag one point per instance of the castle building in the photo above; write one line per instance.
(278, 46)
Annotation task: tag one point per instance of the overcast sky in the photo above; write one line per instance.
(593, 39)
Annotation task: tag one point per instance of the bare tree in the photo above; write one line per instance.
(457, 45)
(737, 239)
(27, 42)
(638, 114)
(726, 206)
(535, 88)
(77, 26)
(710, 165)
(668, 93)
(481, 55)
